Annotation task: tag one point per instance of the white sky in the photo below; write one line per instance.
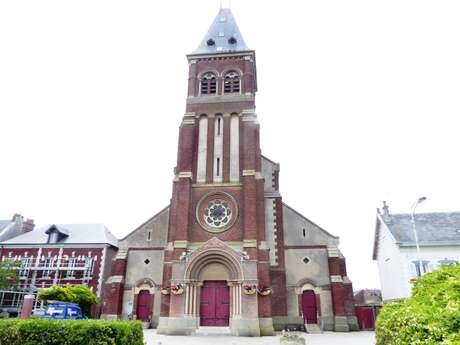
(358, 101)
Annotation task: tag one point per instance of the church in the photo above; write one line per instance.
(227, 251)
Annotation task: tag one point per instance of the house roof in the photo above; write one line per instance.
(223, 36)
(8, 229)
(76, 234)
(433, 229)
(442, 228)
(4, 224)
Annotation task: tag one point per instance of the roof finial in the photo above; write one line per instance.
(225, 4)
(386, 209)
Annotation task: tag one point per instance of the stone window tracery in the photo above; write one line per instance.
(216, 212)
(232, 82)
(208, 84)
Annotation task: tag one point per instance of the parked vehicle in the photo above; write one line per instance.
(63, 310)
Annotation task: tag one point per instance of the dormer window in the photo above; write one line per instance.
(208, 84)
(56, 234)
(232, 83)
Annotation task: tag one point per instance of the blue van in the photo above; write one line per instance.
(63, 310)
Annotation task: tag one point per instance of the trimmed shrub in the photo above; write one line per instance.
(79, 294)
(430, 316)
(70, 332)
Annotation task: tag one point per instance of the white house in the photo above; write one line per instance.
(396, 253)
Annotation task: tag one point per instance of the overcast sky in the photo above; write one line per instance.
(358, 101)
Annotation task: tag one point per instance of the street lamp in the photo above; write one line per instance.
(419, 201)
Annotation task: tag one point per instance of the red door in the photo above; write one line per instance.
(144, 302)
(365, 317)
(309, 306)
(215, 304)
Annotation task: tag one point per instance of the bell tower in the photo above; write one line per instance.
(218, 189)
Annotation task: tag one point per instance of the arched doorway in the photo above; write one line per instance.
(309, 308)
(144, 303)
(216, 273)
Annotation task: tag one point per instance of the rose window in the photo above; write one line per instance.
(218, 213)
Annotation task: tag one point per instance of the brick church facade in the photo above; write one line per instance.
(228, 251)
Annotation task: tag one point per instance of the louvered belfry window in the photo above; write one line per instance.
(208, 84)
(232, 82)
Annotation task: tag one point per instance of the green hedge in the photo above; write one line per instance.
(430, 316)
(70, 332)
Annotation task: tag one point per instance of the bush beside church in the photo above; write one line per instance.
(70, 332)
(430, 316)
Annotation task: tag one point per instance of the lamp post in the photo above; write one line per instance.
(419, 201)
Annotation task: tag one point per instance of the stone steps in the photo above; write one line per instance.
(313, 329)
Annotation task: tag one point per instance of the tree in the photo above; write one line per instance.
(78, 294)
(9, 274)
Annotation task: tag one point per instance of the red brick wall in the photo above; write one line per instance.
(279, 297)
(62, 275)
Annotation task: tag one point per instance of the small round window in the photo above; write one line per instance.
(305, 260)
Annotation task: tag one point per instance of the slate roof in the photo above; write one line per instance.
(77, 234)
(220, 34)
(4, 223)
(8, 229)
(442, 228)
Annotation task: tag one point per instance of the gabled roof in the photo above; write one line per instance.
(223, 36)
(311, 222)
(76, 234)
(441, 228)
(433, 229)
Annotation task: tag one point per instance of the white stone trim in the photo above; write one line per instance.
(218, 149)
(185, 174)
(115, 279)
(249, 172)
(202, 150)
(336, 279)
(234, 148)
(101, 272)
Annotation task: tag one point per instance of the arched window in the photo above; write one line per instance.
(208, 84)
(232, 82)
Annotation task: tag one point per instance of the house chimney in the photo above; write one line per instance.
(28, 225)
(385, 209)
(17, 218)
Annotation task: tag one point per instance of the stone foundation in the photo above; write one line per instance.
(341, 324)
(243, 327)
(177, 325)
(353, 323)
(110, 317)
(266, 326)
(327, 323)
(283, 322)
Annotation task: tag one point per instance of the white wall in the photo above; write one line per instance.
(391, 268)
(396, 268)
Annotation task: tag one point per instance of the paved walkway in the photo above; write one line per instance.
(212, 338)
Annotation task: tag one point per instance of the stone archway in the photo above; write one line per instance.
(144, 291)
(213, 285)
(213, 259)
(314, 299)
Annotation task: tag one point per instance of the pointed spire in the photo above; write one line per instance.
(223, 36)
